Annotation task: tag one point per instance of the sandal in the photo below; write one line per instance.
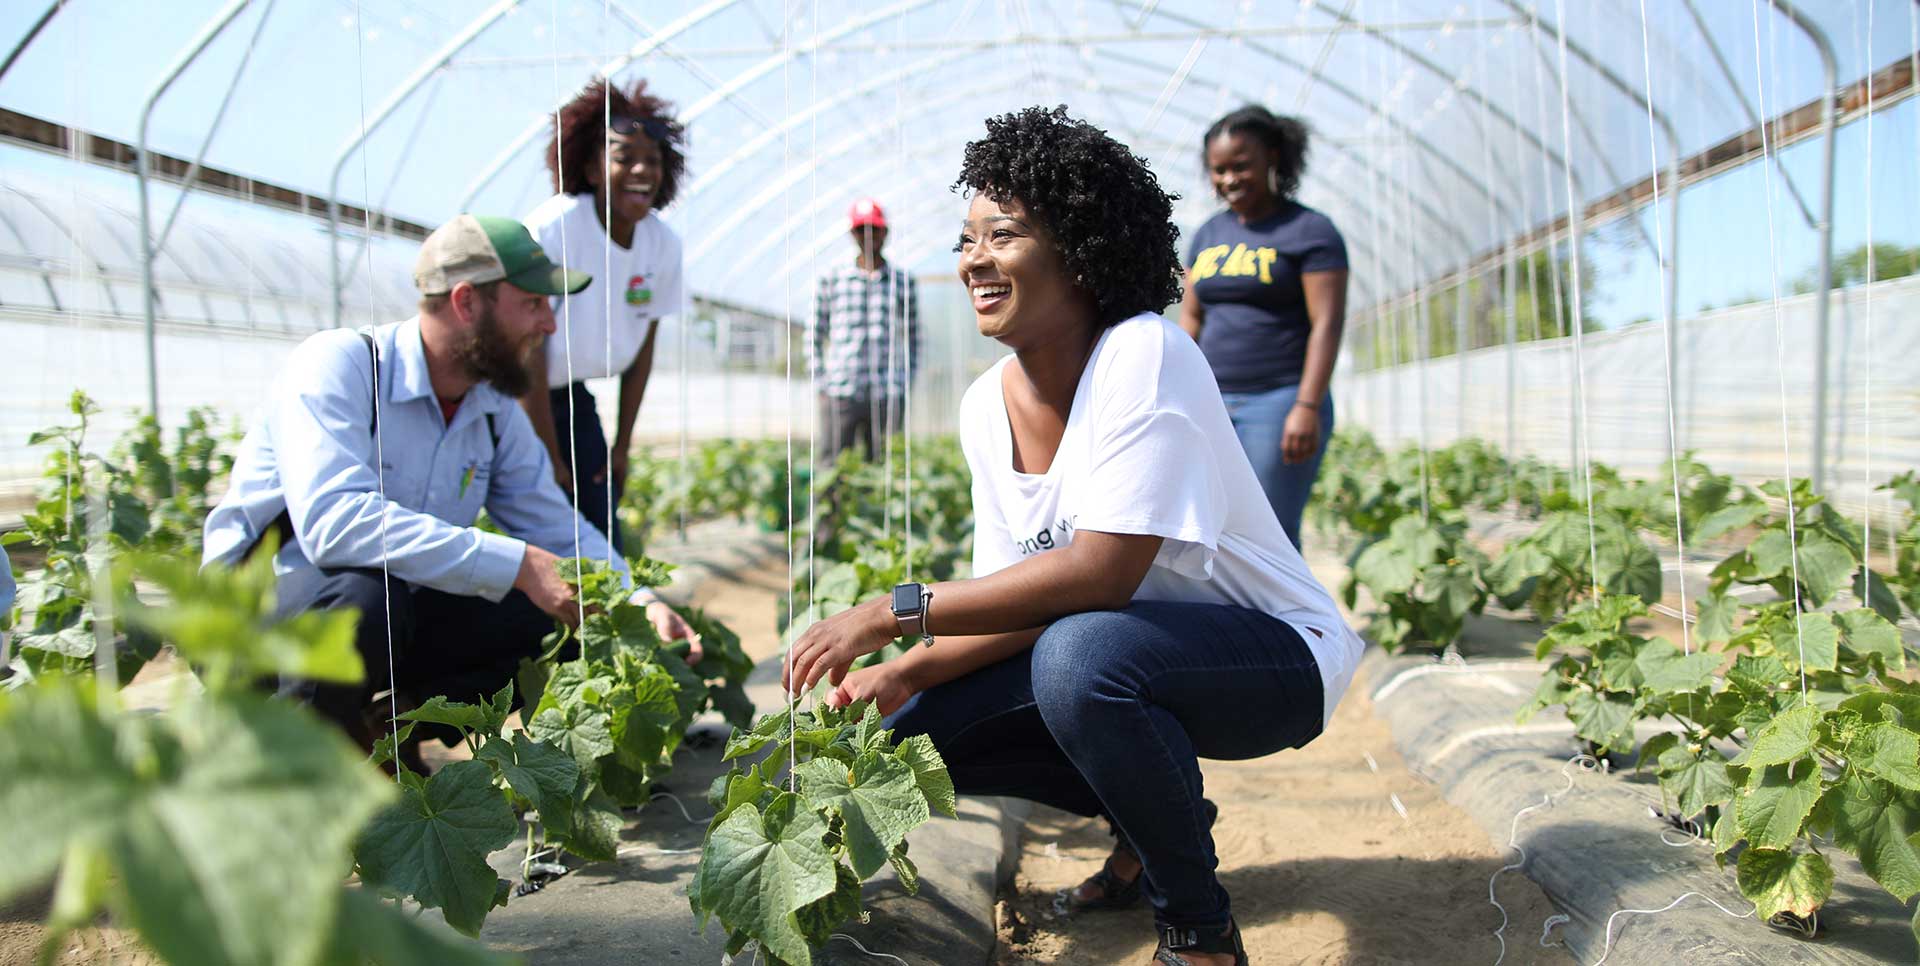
(1176, 939)
(1115, 892)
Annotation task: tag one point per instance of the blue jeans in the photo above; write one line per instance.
(1110, 712)
(1260, 420)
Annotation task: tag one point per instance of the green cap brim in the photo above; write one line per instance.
(547, 278)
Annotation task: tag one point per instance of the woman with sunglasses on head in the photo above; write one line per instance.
(616, 160)
(1267, 299)
(1135, 605)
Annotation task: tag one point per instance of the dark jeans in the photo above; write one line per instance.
(462, 647)
(862, 422)
(1260, 420)
(1109, 714)
(576, 419)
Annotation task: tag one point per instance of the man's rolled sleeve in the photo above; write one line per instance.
(496, 565)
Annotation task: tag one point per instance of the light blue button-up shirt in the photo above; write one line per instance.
(413, 493)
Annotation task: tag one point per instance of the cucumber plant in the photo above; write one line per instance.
(619, 700)
(784, 857)
(1427, 576)
(177, 824)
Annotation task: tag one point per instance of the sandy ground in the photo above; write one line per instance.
(1321, 866)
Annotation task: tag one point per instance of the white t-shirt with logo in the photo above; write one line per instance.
(644, 282)
(1149, 449)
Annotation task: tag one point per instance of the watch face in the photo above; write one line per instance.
(906, 599)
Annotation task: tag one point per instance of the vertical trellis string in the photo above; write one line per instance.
(1767, 160)
(1660, 259)
(379, 427)
(1576, 222)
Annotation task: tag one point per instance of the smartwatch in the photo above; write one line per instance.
(910, 602)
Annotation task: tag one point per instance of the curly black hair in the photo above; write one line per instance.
(582, 133)
(1103, 206)
(1285, 138)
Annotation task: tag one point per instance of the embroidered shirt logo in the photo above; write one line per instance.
(637, 291)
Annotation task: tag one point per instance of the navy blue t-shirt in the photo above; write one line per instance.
(1247, 278)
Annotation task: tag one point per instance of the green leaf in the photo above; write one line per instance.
(904, 868)
(1866, 632)
(226, 823)
(1873, 822)
(1776, 802)
(1757, 674)
(593, 827)
(467, 717)
(1885, 705)
(1811, 640)
(819, 919)
(758, 869)
(434, 844)
(1696, 781)
(536, 771)
(1729, 518)
(1386, 568)
(1454, 586)
(1605, 719)
(1888, 752)
(930, 773)
(1717, 615)
(1511, 574)
(1789, 736)
(1626, 565)
(839, 582)
(1872, 590)
(1772, 554)
(371, 931)
(1780, 881)
(1667, 670)
(1825, 566)
(223, 617)
(878, 800)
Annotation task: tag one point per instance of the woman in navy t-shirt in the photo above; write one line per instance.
(1266, 297)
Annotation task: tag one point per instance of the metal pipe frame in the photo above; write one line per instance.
(1348, 152)
(213, 127)
(1645, 102)
(412, 83)
(1740, 94)
(32, 32)
(515, 147)
(143, 176)
(1829, 122)
(691, 65)
(1440, 221)
(796, 175)
(1400, 127)
(748, 149)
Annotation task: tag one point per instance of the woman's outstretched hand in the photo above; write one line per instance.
(886, 684)
(826, 649)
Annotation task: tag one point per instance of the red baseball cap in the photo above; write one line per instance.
(867, 211)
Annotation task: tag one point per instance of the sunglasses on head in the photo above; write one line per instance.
(654, 128)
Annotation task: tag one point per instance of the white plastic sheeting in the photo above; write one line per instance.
(1740, 370)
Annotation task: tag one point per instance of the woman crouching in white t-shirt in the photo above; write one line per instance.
(1135, 604)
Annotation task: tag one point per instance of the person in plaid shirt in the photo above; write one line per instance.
(859, 313)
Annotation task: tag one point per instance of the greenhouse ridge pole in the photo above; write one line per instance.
(1823, 287)
(32, 32)
(393, 102)
(607, 70)
(143, 176)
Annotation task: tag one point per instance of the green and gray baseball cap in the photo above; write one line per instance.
(485, 248)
